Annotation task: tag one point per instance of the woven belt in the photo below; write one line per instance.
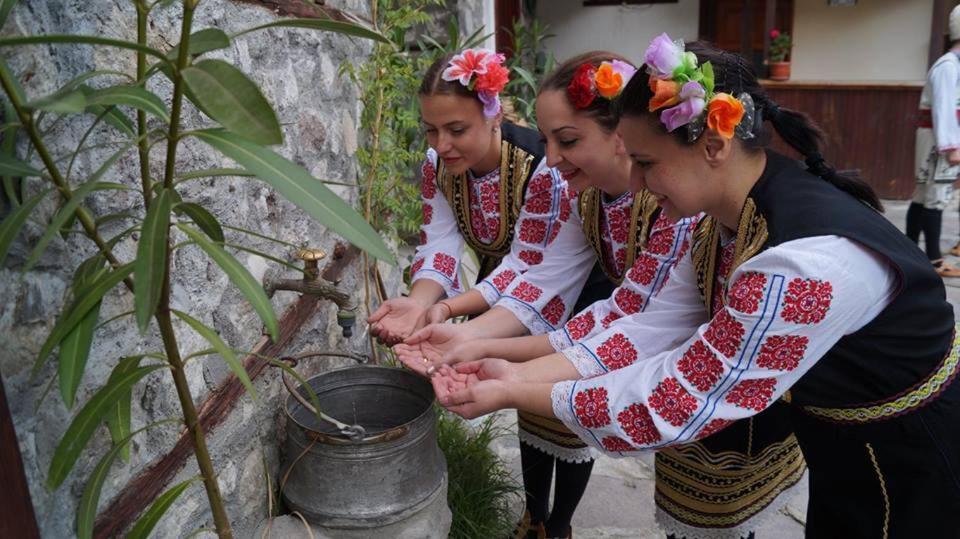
(925, 118)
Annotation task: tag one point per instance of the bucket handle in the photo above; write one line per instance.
(355, 433)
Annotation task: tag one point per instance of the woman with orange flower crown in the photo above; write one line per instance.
(795, 289)
(749, 464)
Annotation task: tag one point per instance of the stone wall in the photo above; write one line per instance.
(297, 70)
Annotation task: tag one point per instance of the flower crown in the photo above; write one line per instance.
(606, 81)
(687, 89)
(482, 71)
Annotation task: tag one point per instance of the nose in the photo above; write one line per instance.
(553, 155)
(443, 144)
(638, 181)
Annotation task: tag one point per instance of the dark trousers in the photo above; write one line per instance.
(928, 221)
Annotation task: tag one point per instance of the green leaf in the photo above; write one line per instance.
(133, 96)
(118, 416)
(18, 94)
(151, 259)
(526, 76)
(62, 102)
(74, 351)
(61, 218)
(11, 166)
(14, 222)
(79, 309)
(146, 523)
(233, 100)
(212, 173)
(206, 40)
(83, 425)
(221, 347)
(240, 277)
(87, 40)
(111, 217)
(111, 115)
(5, 7)
(87, 510)
(203, 219)
(340, 27)
(708, 77)
(300, 188)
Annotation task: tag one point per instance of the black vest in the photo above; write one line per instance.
(901, 346)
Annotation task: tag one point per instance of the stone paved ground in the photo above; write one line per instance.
(618, 503)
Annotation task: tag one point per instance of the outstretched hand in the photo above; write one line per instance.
(474, 388)
(433, 343)
(397, 319)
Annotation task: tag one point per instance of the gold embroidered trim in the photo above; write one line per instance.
(883, 489)
(917, 397)
(752, 236)
(724, 489)
(549, 429)
(642, 214)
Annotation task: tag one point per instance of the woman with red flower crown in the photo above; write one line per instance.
(823, 305)
(750, 465)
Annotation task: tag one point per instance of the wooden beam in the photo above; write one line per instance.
(16, 508)
(150, 483)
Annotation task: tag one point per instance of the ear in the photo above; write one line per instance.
(716, 148)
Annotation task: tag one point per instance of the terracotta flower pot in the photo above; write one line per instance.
(779, 70)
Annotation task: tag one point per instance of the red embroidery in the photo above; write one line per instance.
(493, 227)
(616, 444)
(444, 263)
(713, 427)
(539, 203)
(565, 205)
(417, 264)
(541, 183)
(591, 408)
(428, 186)
(747, 292)
(619, 223)
(726, 261)
(700, 366)
(629, 301)
(580, 326)
(607, 320)
(807, 301)
(621, 259)
(533, 231)
(617, 352)
(490, 196)
(661, 241)
(752, 394)
(526, 292)
(532, 258)
(644, 269)
(725, 333)
(503, 279)
(673, 403)
(683, 248)
(637, 423)
(427, 214)
(423, 237)
(553, 310)
(477, 223)
(554, 232)
(782, 352)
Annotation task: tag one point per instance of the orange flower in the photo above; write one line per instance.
(608, 81)
(666, 93)
(724, 114)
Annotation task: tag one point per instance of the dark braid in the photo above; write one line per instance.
(734, 75)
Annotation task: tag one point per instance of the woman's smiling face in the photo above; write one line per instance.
(457, 129)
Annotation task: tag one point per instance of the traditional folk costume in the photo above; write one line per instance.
(828, 308)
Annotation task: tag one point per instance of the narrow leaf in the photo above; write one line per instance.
(240, 277)
(211, 173)
(114, 117)
(146, 523)
(206, 40)
(339, 27)
(233, 100)
(5, 7)
(118, 416)
(88, 40)
(74, 351)
(83, 425)
(18, 94)
(87, 510)
(221, 347)
(14, 222)
(132, 96)
(11, 166)
(300, 188)
(62, 102)
(203, 219)
(79, 309)
(151, 259)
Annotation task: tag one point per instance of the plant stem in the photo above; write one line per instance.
(143, 146)
(182, 57)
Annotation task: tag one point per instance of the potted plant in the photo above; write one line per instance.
(778, 63)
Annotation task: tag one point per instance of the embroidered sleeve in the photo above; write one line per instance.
(666, 245)
(544, 295)
(944, 78)
(784, 310)
(437, 258)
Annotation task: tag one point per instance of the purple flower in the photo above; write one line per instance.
(491, 103)
(663, 55)
(692, 89)
(624, 69)
(683, 113)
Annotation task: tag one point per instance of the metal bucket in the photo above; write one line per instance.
(383, 478)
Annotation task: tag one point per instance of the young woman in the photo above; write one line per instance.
(711, 488)
(484, 184)
(826, 305)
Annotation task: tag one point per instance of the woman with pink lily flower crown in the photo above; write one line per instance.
(796, 291)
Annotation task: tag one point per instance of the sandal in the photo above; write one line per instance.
(527, 530)
(945, 270)
(955, 250)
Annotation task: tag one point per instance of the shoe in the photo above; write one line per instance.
(955, 250)
(527, 530)
(945, 270)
